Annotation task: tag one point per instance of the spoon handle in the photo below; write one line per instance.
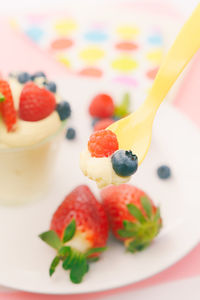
(185, 46)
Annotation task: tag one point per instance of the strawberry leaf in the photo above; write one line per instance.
(2, 97)
(157, 215)
(79, 268)
(130, 226)
(69, 231)
(124, 108)
(125, 233)
(95, 250)
(64, 251)
(51, 238)
(53, 265)
(92, 259)
(146, 203)
(70, 260)
(135, 246)
(135, 212)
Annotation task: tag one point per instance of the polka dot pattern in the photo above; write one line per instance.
(65, 26)
(126, 46)
(92, 54)
(96, 36)
(91, 72)
(124, 64)
(62, 43)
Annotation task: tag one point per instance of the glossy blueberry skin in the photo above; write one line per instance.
(164, 172)
(124, 163)
(23, 77)
(51, 86)
(64, 110)
(71, 133)
(38, 74)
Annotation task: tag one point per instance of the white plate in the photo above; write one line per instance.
(25, 259)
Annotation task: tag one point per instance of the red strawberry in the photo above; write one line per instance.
(102, 106)
(7, 108)
(103, 124)
(35, 103)
(102, 143)
(133, 217)
(79, 232)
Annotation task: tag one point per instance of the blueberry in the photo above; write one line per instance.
(51, 86)
(23, 77)
(124, 163)
(71, 133)
(38, 74)
(164, 172)
(94, 121)
(64, 110)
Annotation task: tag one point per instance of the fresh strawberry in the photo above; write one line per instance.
(35, 103)
(102, 143)
(102, 106)
(103, 124)
(133, 216)
(7, 108)
(78, 231)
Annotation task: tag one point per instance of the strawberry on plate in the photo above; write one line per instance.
(133, 217)
(7, 108)
(78, 231)
(102, 106)
(35, 103)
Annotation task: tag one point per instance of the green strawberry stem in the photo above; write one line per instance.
(123, 109)
(139, 234)
(73, 260)
(2, 97)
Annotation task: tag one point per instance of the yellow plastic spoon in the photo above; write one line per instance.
(134, 132)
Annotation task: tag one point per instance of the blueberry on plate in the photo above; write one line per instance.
(38, 74)
(164, 172)
(23, 77)
(64, 110)
(124, 163)
(71, 133)
(51, 86)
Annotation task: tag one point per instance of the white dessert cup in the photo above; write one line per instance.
(25, 173)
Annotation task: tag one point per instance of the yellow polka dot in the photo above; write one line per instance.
(124, 64)
(91, 54)
(64, 60)
(13, 23)
(155, 56)
(63, 27)
(127, 31)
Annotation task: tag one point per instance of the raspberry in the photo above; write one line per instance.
(7, 108)
(102, 124)
(102, 106)
(35, 103)
(102, 143)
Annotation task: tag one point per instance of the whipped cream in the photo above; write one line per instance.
(28, 133)
(100, 170)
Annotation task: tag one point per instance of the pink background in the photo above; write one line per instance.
(21, 54)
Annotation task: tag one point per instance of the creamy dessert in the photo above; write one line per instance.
(32, 119)
(104, 162)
